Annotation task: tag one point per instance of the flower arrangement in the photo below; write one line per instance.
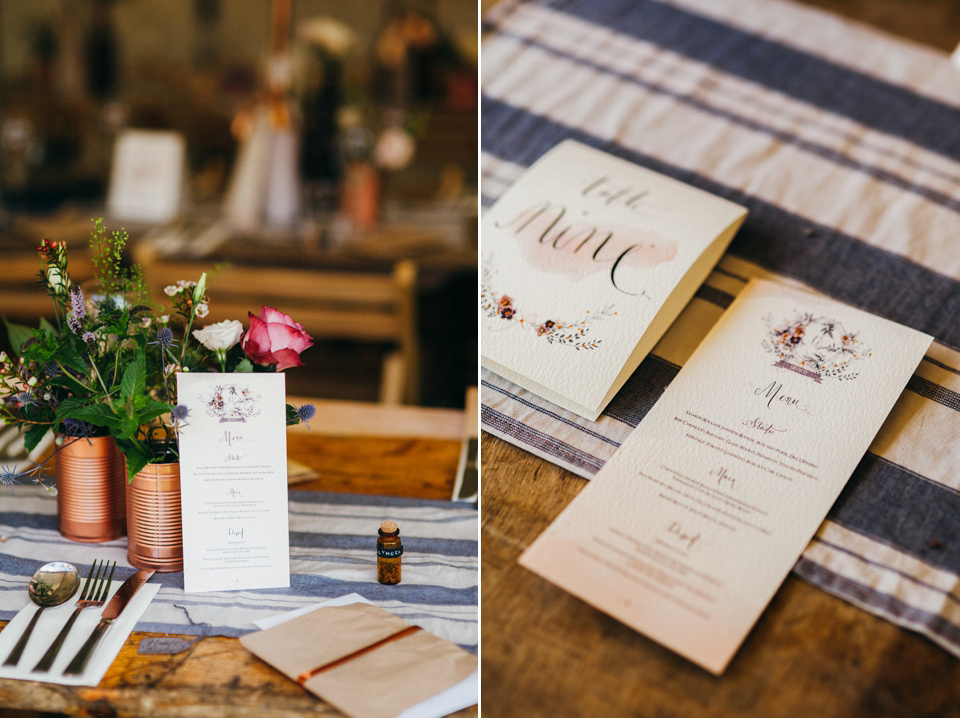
(107, 364)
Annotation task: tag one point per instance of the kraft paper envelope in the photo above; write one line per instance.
(361, 659)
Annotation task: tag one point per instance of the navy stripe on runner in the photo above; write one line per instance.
(446, 547)
(841, 586)
(642, 390)
(22, 519)
(552, 414)
(885, 567)
(881, 105)
(830, 261)
(898, 507)
(784, 137)
(530, 437)
(934, 392)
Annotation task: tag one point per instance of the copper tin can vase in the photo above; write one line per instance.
(90, 489)
(154, 532)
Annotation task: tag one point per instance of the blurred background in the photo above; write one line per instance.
(321, 153)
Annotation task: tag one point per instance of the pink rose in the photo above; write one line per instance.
(274, 338)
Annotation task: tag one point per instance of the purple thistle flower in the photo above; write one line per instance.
(76, 300)
(180, 412)
(8, 477)
(164, 338)
(76, 427)
(305, 413)
(24, 398)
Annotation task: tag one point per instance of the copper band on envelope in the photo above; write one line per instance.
(307, 675)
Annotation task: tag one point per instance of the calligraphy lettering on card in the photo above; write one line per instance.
(688, 531)
(233, 482)
(587, 260)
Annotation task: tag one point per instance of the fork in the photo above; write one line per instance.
(94, 597)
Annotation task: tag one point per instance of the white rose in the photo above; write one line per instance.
(220, 336)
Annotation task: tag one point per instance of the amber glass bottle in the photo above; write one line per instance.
(389, 551)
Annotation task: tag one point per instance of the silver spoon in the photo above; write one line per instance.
(52, 585)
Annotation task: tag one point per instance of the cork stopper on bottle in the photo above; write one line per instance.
(389, 527)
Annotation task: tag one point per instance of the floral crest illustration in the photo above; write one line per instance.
(815, 346)
(570, 333)
(231, 403)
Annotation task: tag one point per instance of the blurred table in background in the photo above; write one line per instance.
(399, 294)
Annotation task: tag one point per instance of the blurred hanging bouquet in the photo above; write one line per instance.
(107, 365)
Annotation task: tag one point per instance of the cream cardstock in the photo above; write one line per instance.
(233, 482)
(688, 531)
(587, 259)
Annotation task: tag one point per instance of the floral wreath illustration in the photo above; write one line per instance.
(565, 333)
(817, 347)
(232, 403)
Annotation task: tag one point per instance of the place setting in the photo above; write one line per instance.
(165, 496)
(59, 640)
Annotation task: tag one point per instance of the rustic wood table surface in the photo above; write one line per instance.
(353, 448)
(546, 653)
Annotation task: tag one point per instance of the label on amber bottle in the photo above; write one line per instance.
(390, 552)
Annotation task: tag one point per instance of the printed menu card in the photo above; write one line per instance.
(587, 260)
(233, 482)
(688, 531)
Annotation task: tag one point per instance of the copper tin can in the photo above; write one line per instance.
(155, 534)
(90, 489)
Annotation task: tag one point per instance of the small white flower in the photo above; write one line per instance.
(171, 290)
(170, 369)
(146, 322)
(220, 336)
(164, 318)
(32, 381)
(3, 357)
(202, 310)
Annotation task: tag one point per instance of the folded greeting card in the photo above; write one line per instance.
(688, 531)
(587, 259)
(362, 659)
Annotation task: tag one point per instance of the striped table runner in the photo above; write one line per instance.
(845, 146)
(332, 553)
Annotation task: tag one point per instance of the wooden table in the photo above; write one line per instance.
(354, 448)
(546, 653)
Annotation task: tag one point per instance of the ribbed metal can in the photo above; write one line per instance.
(154, 531)
(90, 489)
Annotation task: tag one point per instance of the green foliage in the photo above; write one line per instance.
(17, 334)
(33, 435)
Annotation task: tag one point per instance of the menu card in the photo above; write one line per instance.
(688, 531)
(587, 260)
(233, 482)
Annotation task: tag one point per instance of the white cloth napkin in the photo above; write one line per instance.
(462, 695)
(49, 625)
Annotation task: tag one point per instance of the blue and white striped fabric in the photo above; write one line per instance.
(332, 553)
(845, 146)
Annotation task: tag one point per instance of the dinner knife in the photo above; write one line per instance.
(114, 608)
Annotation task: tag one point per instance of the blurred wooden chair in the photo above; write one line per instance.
(361, 306)
(22, 297)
